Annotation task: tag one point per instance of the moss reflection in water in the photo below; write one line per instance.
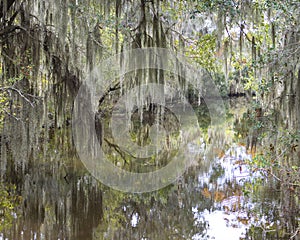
(164, 214)
(275, 154)
(166, 131)
(64, 201)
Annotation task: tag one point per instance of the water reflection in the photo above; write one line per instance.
(61, 200)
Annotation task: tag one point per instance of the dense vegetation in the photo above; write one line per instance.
(250, 48)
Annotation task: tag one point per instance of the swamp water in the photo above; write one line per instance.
(47, 193)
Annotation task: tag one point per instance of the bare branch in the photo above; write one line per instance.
(120, 151)
(10, 115)
(20, 93)
(295, 233)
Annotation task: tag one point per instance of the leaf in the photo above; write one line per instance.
(206, 193)
(219, 196)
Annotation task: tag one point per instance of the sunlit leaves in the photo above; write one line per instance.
(203, 51)
(8, 203)
(4, 103)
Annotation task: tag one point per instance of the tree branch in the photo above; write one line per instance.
(4, 7)
(20, 93)
(111, 89)
(119, 150)
(10, 115)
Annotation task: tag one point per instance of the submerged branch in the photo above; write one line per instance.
(269, 172)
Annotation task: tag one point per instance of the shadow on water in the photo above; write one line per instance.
(46, 193)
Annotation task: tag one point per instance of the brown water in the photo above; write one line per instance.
(58, 199)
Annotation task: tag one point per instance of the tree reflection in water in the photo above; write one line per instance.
(61, 200)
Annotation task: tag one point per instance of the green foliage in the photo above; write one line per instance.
(4, 103)
(9, 200)
(204, 119)
(121, 207)
(203, 52)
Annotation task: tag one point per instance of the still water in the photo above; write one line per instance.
(53, 196)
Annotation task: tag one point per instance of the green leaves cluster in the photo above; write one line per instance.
(203, 51)
(9, 200)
